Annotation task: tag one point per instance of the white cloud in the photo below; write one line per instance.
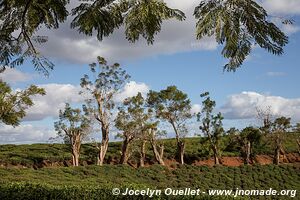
(131, 89)
(244, 105)
(276, 74)
(196, 108)
(282, 7)
(24, 134)
(175, 36)
(56, 97)
(13, 76)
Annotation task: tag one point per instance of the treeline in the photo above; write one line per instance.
(140, 120)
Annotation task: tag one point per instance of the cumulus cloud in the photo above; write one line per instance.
(24, 134)
(13, 76)
(244, 105)
(196, 108)
(65, 43)
(56, 97)
(131, 89)
(280, 7)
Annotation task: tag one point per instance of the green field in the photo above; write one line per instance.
(95, 182)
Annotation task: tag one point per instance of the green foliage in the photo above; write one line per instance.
(172, 106)
(95, 182)
(144, 17)
(102, 16)
(211, 124)
(13, 104)
(25, 18)
(238, 24)
(72, 122)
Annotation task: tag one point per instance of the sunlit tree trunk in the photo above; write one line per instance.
(142, 154)
(158, 154)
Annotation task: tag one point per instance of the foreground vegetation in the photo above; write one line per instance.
(94, 182)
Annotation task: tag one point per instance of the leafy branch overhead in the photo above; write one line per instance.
(238, 25)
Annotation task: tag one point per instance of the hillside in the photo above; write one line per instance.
(197, 153)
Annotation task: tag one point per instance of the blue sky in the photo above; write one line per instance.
(176, 58)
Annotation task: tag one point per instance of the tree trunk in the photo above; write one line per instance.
(142, 154)
(277, 151)
(158, 155)
(75, 140)
(181, 149)
(124, 156)
(248, 152)
(103, 146)
(216, 155)
(180, 144)
(75, 156)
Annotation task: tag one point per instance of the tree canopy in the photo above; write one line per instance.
(238, 25)
(13, 104)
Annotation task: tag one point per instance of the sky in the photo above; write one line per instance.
(175, 58)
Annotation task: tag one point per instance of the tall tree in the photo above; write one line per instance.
(136, 124)
(248, 138)
(108, 80)
(130, 120)
(211, 125)
(174, 107)
(73, 126)
(13, 104)
(238, 25)
(279, 126)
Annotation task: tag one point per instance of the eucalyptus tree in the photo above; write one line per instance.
(137, 124)
(13, 104)
(248, 137)
(174, 107)
(73, 126)
(101, 88)
(279, 129)
(131, 121)
(211, 125)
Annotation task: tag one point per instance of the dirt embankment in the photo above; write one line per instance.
(226, 161)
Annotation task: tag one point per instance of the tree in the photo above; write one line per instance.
(131, 121)
(279, 126)
(141, 17)
(296, 128)
(248, 138)
(136, 124)
(211, 125)
(13, 104)
(108, 80)
(158, 149)
(238, 25)
(265, 116)
(73, 126)
(172, 106)
(19, 23)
